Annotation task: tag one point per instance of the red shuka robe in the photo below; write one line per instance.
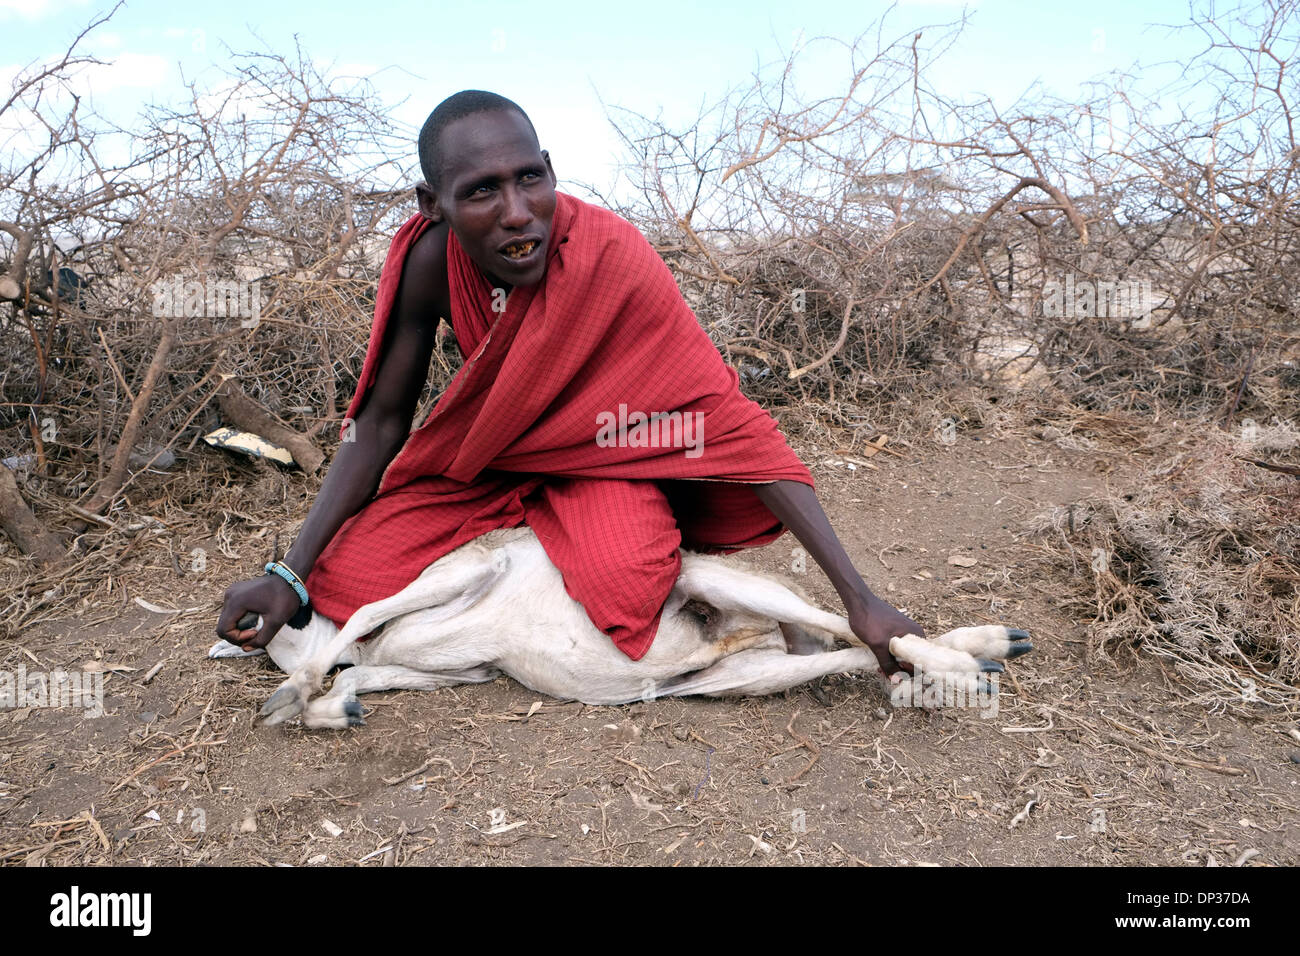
(530, 431)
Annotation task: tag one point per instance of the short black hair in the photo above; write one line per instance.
(457, 106)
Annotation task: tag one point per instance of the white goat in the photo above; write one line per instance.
(497, 605)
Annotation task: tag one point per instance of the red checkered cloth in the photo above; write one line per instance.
(530, 431)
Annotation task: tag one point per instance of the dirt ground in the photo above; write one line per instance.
(1112, 762)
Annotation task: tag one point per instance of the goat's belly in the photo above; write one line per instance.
(516, 611)
(575, 662)
(571, 659)
(542, 638)
(525, 624)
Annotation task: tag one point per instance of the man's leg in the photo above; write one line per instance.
(616, 543)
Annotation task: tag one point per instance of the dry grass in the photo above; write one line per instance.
(1199, 563)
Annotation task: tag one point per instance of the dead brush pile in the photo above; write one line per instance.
(1199, 565)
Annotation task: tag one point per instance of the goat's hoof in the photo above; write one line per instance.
(989, 641)
(818, 692)
(352, 710)
(933, 656)
(282, 705)
(333, 713)
(990, 667)
(1020, 642)
(223, 649)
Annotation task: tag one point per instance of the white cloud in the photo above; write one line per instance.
(31, 10)
(120, 71)
(109, 40)
(352, 69)
(125, 71)
(22, 137)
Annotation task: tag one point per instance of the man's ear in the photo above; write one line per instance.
(546, 158)
(428, 201)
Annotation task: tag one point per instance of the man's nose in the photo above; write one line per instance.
(516, 214)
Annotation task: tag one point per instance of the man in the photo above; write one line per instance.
(567, 320)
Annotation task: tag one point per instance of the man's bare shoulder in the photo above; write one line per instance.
(424, 288)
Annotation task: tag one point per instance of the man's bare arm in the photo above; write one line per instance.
(381, 429)
(873, 620)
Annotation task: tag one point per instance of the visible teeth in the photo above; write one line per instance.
(519, 250)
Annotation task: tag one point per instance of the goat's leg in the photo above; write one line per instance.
(956, 662)
(291, 647)
(993, 641)
(730, 588)
(800, 641)
(734, 589)
(764, 671)
(340, 708)
(767, 670)
(451, 586)
(965, 650)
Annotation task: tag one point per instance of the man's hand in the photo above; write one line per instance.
(270, 596)
(875, 622)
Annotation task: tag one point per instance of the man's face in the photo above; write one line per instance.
(498, 195)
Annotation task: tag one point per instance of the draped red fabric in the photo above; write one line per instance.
(593, 408)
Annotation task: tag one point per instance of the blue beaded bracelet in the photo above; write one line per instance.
(286, 573)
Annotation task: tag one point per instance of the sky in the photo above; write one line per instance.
(566, 64)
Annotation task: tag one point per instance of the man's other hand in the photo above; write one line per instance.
(270, 596)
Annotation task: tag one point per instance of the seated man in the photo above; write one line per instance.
(591, 406)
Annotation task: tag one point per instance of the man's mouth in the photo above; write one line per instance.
(521, 250)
